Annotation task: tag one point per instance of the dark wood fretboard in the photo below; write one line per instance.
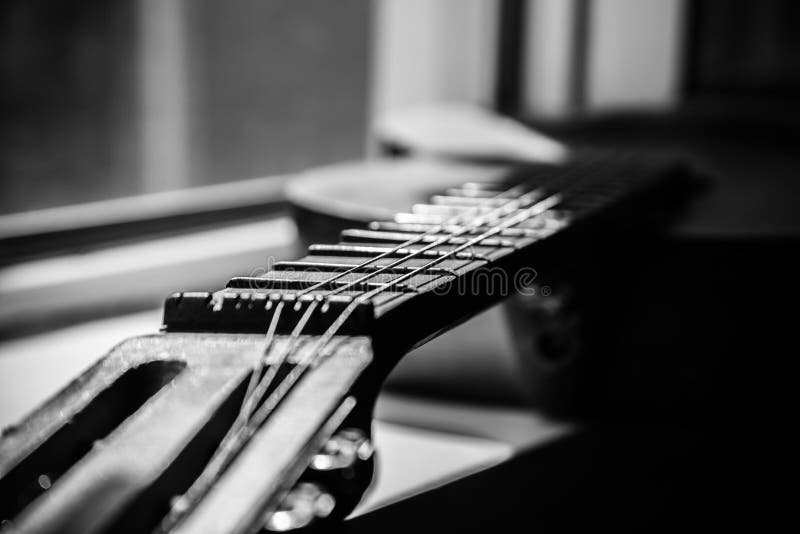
(596, 196)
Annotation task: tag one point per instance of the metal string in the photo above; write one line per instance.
(477, 222)
(237, 434)
(435, 230)
(518, 202)
(247, 421)
(315, 355)
(258, 366)
(533, 211)
(530, 196)
(523, 200)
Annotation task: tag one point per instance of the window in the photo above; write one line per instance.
(104, 100)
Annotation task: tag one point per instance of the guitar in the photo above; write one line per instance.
(252, 408)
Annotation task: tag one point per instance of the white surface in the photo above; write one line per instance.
(34, 368)
(547, 58)
(163, 94)
(144, 207)
(141, 272)
(426, 51)
(634, 54)
(410, 460)
(467, 131)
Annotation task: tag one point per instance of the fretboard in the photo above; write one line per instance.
(425, 267)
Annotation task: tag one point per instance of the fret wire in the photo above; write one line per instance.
(336, 266)
(533, 211)
(436, 229)
(553, 199)
(476, 223)
(318, 351)
(316, 354)
(211, 472)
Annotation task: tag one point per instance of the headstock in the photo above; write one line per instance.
(116, 449)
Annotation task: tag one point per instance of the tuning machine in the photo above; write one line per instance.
(304, 504)
(343, 451)
(342, 468)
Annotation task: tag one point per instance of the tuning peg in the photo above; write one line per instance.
(343, 450)
(342, 466)
(304, 504)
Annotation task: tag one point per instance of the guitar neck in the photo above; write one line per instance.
(403, 281)
(448, 259)
(210, 425)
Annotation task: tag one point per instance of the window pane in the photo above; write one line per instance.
(105, 99)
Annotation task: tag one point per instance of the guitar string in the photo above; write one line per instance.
(230, 443)
(318, 352)
(262, 383)
(433, 231)
(314, 355)
(258, 364)
(535, 210)
(265, 381)
(476, 223)
(253, 421)
(520, 201)
(500, 212)
(523, 200)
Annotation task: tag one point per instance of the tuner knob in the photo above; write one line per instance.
(344, 465)
(305, 503)
(343, 450)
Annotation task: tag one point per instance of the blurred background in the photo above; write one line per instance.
(103, 100)
(145, 146)
(112, 99)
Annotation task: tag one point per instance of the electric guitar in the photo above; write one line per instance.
(251, 409)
